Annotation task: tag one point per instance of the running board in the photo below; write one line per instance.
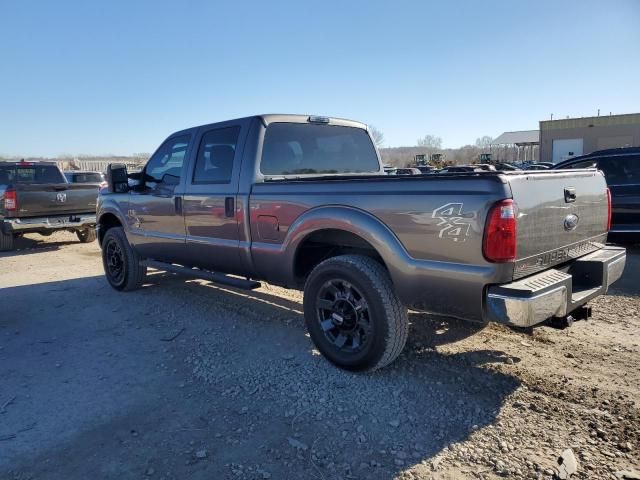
(214, 277)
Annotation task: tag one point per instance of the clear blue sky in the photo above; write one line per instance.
(118, 76)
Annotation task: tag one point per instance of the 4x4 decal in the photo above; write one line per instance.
(452, 222)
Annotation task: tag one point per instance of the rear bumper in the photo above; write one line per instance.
(554, 292)
(26, 225)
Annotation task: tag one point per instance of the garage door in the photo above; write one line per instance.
(566, 148)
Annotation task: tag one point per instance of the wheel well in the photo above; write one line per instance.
(323, 244)
(107, 221)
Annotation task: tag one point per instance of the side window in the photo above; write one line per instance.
(215, 156)
(166, 165)
(621, 170)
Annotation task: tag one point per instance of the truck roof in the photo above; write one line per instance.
(27, 162)
(267, 118)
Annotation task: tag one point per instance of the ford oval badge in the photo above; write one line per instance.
(570, 222)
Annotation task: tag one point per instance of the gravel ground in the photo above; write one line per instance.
(185, 379)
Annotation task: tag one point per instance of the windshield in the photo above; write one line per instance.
(299, 148)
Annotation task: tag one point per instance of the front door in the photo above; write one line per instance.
(210, 203)
(155, 214)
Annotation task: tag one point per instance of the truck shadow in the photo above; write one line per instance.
(437, 399)
(247, 349)
(35, 244)
(629, 283)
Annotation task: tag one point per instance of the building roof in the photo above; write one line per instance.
(597, 121)
(522, 136)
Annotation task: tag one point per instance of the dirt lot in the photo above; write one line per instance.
(184, 379)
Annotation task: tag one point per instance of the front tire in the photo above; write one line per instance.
(123, 266)
(6, 241)
(87, 235)
(353, 314)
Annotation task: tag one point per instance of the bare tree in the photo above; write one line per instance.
(430, 141)
(377, 135)
(484, 141)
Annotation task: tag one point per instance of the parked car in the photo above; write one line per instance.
(538, 166)
(407, 171)
(77, 176)
(485, 167)
(477, 167)
(303, 202)
(35, 197)
(506, 167)
(457, 169)
(621, 167)
(426, 168)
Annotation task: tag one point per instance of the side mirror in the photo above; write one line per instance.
(117, 178)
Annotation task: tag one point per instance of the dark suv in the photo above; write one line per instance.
(621, 167)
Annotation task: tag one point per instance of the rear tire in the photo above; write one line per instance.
(6, 241)
(353, 314)
(86, 236)
(122, 265)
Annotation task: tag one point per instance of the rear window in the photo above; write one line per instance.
(30, 174)
(84, 177)
(299, 149)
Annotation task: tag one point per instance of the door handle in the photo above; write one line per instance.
(178, 204)
(570, 194)
(229, 210)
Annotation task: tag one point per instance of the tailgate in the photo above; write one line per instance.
(36, 200)
(561, 215)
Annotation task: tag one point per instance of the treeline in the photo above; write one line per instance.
(70, 159)
(404, 156)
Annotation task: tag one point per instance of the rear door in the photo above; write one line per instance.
(155, 214)
(623, 178)
(211, 205)
(562, 214)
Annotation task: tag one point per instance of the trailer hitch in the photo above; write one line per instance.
(583, 312)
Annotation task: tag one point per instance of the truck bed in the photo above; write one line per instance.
(543, 240)
(39, 189)
(45, 200)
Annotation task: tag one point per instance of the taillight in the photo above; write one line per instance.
(10, 199)
(499, 243)
(608, 209)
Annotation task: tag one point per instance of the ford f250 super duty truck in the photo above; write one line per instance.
(35, 197)
(303, 202)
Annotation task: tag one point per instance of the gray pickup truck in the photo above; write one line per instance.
(35, 197)
(303, 202)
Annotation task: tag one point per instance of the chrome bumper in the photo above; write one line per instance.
(555, 292)
(25, 225)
